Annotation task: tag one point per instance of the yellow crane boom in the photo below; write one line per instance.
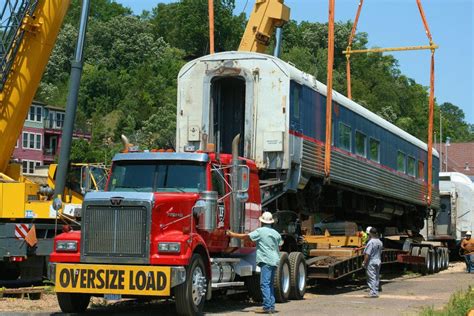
(32, 44)
(265, 17)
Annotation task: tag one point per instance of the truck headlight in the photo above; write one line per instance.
(169, 247)
(66, 246)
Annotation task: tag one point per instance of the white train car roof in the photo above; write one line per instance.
(310, 81)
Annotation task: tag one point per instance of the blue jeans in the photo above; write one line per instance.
(469, 262)
(267, 275)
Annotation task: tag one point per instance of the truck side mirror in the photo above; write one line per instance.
(243, 173)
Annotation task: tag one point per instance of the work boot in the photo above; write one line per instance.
(262, 310)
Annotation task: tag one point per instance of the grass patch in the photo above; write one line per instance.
(459, 304)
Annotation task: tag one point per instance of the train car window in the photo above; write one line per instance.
(344, 136)
(411, 166)
(421, 170)
(360, 144)
(401, 162)
(374, 146)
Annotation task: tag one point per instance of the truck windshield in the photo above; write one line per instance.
(158, 176)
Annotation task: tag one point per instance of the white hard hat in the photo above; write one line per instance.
(367, 230)
(266, 218)
(468, 233)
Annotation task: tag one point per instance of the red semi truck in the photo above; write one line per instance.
(159, 230)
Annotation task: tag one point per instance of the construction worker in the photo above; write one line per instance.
(467, 245)
(372, 262)
(268, 258)
(365, 235)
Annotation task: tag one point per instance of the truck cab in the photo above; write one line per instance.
(159, 228)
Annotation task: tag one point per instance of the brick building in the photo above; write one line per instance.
(40, 139)
(460, 157)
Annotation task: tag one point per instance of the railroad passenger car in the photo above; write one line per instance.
(378, 172)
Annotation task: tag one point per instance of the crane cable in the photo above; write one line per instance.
(327, 150)
(431, 47)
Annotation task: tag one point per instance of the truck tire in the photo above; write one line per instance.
(73, 302)
(415, 251)
(191, 295)
(443, 258)
(282, 279)
(297, 275)
(428, 266)
(252, 284)
(434, 267)
(446, 259)
(440, 258)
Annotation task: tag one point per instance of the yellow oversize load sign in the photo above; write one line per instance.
(113, 279)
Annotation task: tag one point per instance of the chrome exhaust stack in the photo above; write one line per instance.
(236, 209)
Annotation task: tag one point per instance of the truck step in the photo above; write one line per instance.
(226, 284)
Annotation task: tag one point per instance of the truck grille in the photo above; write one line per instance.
(115, 232)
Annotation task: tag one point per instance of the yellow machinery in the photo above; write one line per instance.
(28, 221)
(266, 16)
(29, 43)
(29, 31)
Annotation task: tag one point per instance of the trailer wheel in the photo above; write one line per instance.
(297, 275)
(282, 279)
(440, 257)
(415, 251)
(428, 266)
(442, 254)
(73, 302)
(446, 258)
(191, 295)
(252, 284)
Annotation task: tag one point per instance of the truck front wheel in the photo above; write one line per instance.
(297, 275)
(282, 279)
(191, 295)
(73, 302)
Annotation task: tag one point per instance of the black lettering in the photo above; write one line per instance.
(150, 284)
(100, 278)
(132, 285)
(121, 279)
(83, 278)
(74, 277)
(107, 274)
(64, 278)
(140, 280)
(113, 285)
(90, 279)
(160, 281)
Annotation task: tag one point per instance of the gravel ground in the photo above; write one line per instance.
(402, 295)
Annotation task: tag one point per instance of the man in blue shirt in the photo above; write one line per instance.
(268, 257)
(372, 262)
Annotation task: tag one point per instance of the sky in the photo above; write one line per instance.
(393, 23)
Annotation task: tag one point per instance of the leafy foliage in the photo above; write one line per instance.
(129, 82)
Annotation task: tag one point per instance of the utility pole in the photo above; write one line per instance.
(448, 143)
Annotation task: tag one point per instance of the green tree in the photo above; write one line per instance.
(185, 25)
(454, 125)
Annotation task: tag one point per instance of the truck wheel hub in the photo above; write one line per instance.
(199, 286)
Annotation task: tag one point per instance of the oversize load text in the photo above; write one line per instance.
(112, 279)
